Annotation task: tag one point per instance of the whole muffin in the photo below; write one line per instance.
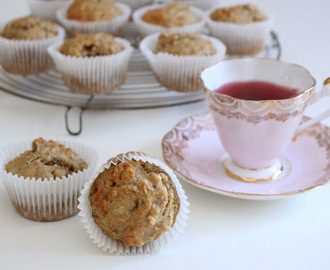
(93, 64)
(184, 44)
(134, 202)
(23, 45)
(177, 59)
(171, 16)
(243, 28)
(174, 17)
(93, 10)
(44, 181)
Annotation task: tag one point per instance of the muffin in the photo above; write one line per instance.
(92, 64)
(175, 17)
(203, 4)
(24, 42)
(243, 28)
(44, 181)
(135, 4)
(177, 59)
(46, 9)
(133, 204)
(91, 16)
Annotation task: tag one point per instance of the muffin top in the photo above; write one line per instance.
(89, 45)
(93, 10)
(134, 202)
(184, 44)
(240, 14)
(171, 16)
(46, 160)
(29, 28)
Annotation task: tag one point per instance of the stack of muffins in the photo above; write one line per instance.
(95, 59)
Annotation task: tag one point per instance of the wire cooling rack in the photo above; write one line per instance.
(141, 89)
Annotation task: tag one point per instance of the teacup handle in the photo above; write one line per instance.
(324, 92)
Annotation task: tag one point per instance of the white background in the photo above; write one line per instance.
(222, 232)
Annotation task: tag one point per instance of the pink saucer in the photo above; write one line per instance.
(193, 150)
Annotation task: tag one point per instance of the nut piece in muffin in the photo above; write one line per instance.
(93, 10)
(184, 44)
(173, 15)
(46, 160)
(134, 202)
(29, 28)
(240, 14)
(90, 45)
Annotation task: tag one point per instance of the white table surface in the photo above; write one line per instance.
(222, 232)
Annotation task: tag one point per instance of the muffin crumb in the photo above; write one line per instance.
(29, 28)
(240, 14)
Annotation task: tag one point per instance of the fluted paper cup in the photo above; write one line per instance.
(135, 4)
(117, 247)
(43, 199)
(97, 75)
(114, 26)
(145, 28)
(47, 9)
(27, 57)
(180, 73)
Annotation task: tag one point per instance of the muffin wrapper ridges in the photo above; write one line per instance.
(114, 26)
(180, 73)
(203, 4)
(241, 39)
(46, 200)
(145, 28)
(93, 75)
(135, 4)
(27, 57)
(47, 9)
(116, 247)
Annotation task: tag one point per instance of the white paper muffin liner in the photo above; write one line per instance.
(180, 73)
(93, 75)
(241, 39)
(203, 4)
(27, 57)
(117, 247)
(135, 4)
(46, 200)
(114, 26)
(145, 28)
(47, 9)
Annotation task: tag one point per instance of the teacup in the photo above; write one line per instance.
(255, 132)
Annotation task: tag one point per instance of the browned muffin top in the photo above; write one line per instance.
(46, 160)
(134, 202)
(29, 28)
(93, 10)
(171, 16)
(89, 45)
(184, 44)
(241, 14)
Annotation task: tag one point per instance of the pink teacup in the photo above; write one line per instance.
(255, 132)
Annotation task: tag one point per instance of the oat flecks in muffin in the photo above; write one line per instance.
(46, 160)
(134, 202)
(184, 44)
(93, 10)
(29, 28)
(89, 45)
(171, 16)
(240, 14)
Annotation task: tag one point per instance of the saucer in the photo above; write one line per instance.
(193, 150)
